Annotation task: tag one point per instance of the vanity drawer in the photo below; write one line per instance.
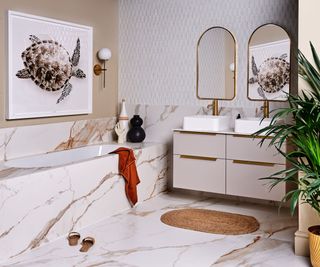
(243, 180)
(199, 144)
(199, 173)
(244, 147)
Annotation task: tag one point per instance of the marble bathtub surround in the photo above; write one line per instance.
(71, 197)
(137, 238)
(54, 137)
(88, 132)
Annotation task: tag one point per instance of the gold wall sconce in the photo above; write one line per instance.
(104, 54)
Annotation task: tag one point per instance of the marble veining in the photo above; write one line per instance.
(6, 138)
(7, 172)
(160, 120)
(137, 238)
(46, 138)
(90, 132)
(72, 197)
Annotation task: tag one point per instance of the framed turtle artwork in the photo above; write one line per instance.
(49, 67)
(269, 71)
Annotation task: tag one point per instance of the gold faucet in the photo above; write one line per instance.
(266, 109)
(215, 107)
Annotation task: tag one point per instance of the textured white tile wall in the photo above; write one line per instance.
(158, 38)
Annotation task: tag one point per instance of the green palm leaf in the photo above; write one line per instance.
(303, 132)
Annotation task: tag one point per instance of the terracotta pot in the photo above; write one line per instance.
(314, 245)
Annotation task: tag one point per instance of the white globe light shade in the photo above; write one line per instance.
(104, 54)
(231, 67)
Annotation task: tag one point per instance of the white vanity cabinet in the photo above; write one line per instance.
(244, 147)
(225, 163)
(247, 161)
(199, 161)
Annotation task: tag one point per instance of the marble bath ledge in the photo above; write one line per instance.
(39, 162)
(41, 201)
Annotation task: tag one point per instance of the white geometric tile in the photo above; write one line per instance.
(158, 38)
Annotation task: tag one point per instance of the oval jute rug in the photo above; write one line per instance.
(211, 221)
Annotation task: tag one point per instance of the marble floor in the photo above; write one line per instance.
(138, 238)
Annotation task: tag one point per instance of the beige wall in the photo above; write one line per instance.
(308, 24)
(308, 21)
(102, 15)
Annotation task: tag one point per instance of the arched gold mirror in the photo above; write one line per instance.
(269, 64)
(216, 65)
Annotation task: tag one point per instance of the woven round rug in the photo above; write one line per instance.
(211, 221)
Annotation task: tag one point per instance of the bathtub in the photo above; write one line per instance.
(43, 197)
(59, 158)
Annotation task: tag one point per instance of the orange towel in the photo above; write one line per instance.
(128, 169)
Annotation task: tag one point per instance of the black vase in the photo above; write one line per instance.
(136, 134)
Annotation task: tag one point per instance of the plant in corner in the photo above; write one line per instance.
(303, 133)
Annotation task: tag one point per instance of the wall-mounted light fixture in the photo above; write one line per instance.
(231, 67)
(104, 54)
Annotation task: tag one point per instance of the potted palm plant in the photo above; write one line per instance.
(303, 133)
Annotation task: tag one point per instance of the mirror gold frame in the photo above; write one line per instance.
(235, 66)
(248, 63)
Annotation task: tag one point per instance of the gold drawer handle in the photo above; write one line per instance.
(251, 136)
(197, 157)
(193, 132)
(246, 162)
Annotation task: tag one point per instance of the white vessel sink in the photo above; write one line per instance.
(250, 125)
(206, 123)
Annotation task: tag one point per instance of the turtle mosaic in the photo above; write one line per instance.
(49, 65)
(272, 75)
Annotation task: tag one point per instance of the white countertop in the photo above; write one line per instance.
(229, 131)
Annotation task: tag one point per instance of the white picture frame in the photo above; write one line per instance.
(25, 99)
(261, 53)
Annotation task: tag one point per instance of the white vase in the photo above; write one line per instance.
(123, 116)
